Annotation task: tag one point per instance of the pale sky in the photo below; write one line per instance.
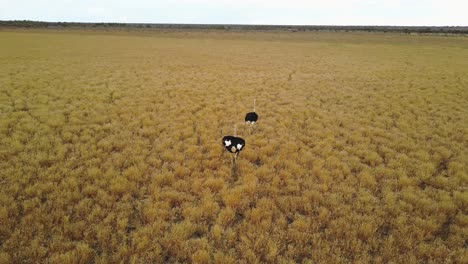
(290, 12)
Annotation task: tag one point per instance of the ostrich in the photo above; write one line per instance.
(251, 118)
(234, 144)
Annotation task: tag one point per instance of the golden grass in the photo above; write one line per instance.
(110, 148)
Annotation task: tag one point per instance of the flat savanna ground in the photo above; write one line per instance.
(110, 147)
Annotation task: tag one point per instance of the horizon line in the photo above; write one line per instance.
(240, 24)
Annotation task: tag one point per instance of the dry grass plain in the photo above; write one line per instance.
(110, 148)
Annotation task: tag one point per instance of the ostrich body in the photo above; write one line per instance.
(251, 118)
(233, 144)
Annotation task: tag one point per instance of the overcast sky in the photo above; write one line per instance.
(290, 12)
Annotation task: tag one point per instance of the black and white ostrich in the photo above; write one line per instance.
(234, 144)
(251, 118)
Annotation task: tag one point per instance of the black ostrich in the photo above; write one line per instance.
(234, 144)
(251, 118)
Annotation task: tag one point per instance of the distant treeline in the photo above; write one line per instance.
(75, 25)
